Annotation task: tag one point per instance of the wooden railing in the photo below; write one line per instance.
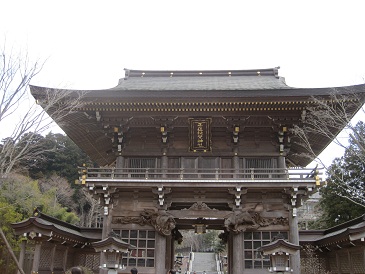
(204, 173)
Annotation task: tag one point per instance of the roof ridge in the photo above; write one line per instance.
(346, 225)
(199, 73)
(39, 214)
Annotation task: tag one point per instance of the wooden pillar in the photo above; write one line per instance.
(64, 263)
(164, 162)
(53, 252)
(338, 263)
(37, 257)
(22, 254)
(294, 239)
(351, 265)
(230, 252)
(236, 162)
(107, 221)
(170, 256)
(237, 254)
(119, 162)
(282, 166)
(160, 254)
(281, 162)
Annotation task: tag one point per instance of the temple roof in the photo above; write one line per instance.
(201, 80)
(43, 225)
(112, 244)
(279, 245)
(142, 95)
(343, 234)
(208, 85)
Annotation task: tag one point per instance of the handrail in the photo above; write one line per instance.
(199, 173)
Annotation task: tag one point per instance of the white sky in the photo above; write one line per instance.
(88, 43)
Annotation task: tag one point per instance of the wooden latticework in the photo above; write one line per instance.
(332, 263)
(58, 259)
(357, 260)
(344, 264)
(80, 259)
(92, 261)
(46, 257)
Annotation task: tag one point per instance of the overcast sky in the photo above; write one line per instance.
(88, 43)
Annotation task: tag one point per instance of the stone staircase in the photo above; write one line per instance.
(204, 261)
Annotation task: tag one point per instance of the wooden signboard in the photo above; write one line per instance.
(200, 134)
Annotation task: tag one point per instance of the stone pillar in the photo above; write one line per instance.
(22, 254)
(237, 254)
(160, 254)
(294, 239)
(37, 257)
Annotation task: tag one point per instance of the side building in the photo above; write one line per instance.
(193, 149)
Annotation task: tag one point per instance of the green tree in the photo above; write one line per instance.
(59, 156)
(343, 196)
(25, 194)
(8, 215)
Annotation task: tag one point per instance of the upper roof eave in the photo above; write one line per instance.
(115, 93)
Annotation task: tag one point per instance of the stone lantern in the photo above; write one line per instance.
(112, 248)
(179, 262)
(279, 251)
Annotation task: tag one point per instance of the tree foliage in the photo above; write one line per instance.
(55, 169)
(343, 196)
(208, 241)
(25, 194)
(19, 195)
(8, 215)
(59, 156)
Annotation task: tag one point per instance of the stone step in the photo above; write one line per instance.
(204, 261)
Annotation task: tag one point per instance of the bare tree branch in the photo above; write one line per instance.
(89, 218)
(332, 118)
(23, 118)
(16, 72)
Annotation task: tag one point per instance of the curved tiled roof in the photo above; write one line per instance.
(201, 80)
(189, 93)
(346, 232)
(41, 222)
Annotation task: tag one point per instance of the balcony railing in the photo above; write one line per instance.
(199, 174)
